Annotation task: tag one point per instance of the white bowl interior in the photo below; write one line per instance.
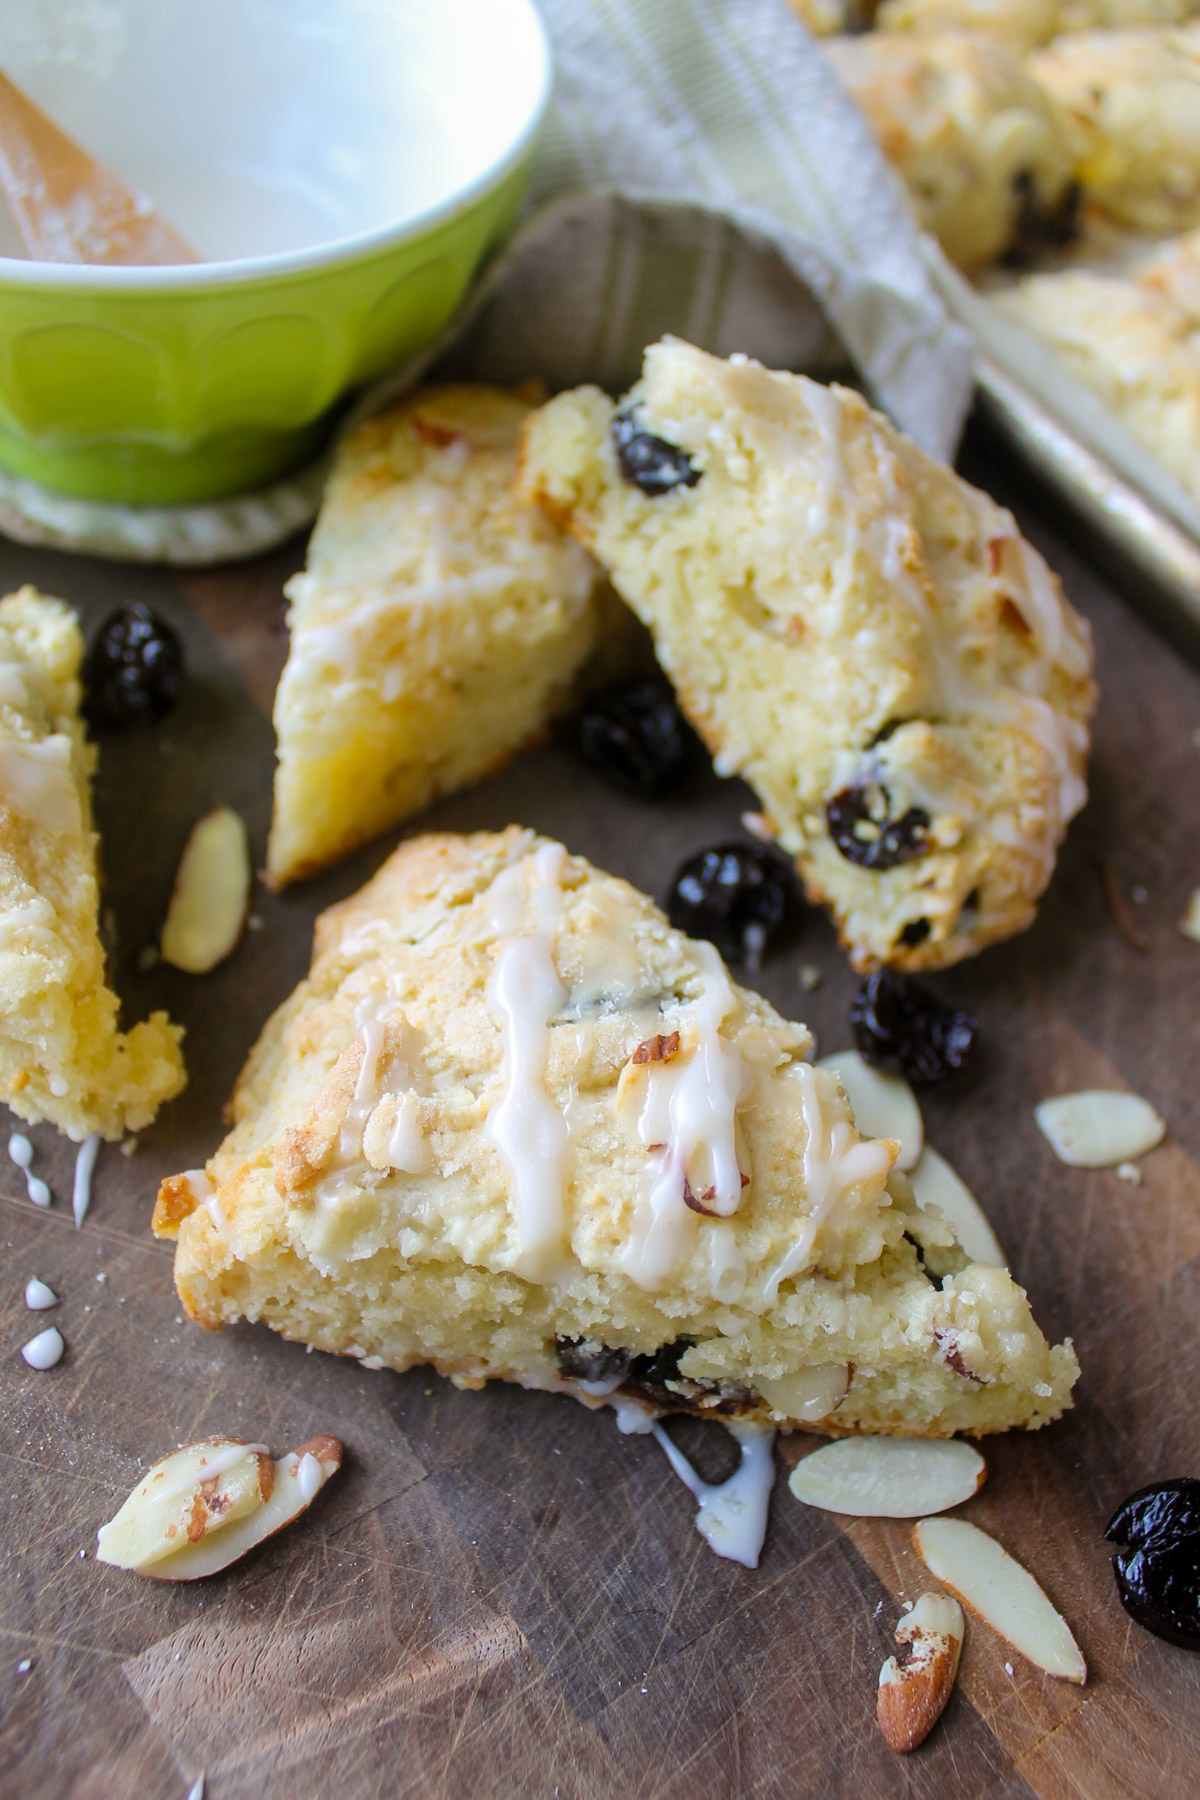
(266, 126)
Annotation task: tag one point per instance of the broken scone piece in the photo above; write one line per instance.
(62, 1057)
(436, 629)
(515, 1125)
(865, 638)
(203, 1506)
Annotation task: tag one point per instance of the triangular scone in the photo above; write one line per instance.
(515, 1125)
(436, 629)
(850, 626)
(62, 1057)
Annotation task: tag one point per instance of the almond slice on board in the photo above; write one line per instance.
(883, 1104)
(913, 1693)
(998, 1590)
(180, 1524)
(208, 904)
(888, 1477)
(941, 1189)
(1098, 1128)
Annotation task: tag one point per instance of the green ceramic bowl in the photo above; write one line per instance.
(374, 154)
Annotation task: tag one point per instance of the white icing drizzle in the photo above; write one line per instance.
(634, 1419)
(310, 1475)
(407, 1149)
(825, 412)
(39, 1297)
(835, 1160)
(36, 781)
(733, 1515)
(691, 1105)
(44, 1350)
(85, 1162)
(524, 993)
(21, 1151)
(726, 1265)
(525, 1126)
(199, 1185)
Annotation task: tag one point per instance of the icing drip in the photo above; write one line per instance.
(691, 1107)
(525, 1126)
(835, 1160)
(407, 1149)
(733, 1515)
(35, 780)
(21, 1151)
(524, 994)
(85, 1162)
(210, 1468)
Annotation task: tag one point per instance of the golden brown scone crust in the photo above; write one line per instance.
(62, 1057)
(435, 631)
(415, 1175)
(1131, 100)
(852, 629)
(982, 149)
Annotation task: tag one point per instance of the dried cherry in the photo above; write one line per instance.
(636, 737)
(897, 1021)
(742, 897)
(885, 842)
(132, 673)
(648, 462)
(1157, 1569)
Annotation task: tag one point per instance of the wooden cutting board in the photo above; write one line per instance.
(500, 1595)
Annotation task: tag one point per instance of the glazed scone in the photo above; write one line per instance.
(981, 148)
(865, 638)
(1023, 25)
(516, 1126)
(1131, 100)
(62, 1057)
(1129, 344)
(436, 629)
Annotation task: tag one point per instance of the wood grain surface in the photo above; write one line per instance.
(499, 1595)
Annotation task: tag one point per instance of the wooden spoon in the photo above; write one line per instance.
(68, 207)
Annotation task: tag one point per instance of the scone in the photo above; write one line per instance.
(516, 1126)
(1024, 24)
(981, 148)
(1132, 104)
(1133, 347)
(865, 638)
(435, 630)
(62, 1057)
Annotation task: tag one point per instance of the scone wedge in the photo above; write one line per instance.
(435, 631)
(864, 637)
(62, 1056)
(515, 1125)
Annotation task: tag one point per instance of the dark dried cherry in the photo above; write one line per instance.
(742, 897)
(884, 842)
(583, 1359)
(896, 1021)
(132, 672)
(648, 462)
(636, 737)
(1157, 1569)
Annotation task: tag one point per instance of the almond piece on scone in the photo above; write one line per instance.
(913, 1691)
(62, 1056)
(436, 629)
(470, 1137)
(862, 636)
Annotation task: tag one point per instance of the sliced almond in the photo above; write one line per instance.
(1002, 1593)
(887, 1477)
(807, 1394)
(884, 1106)
(940, 1189)
(1098, 1128)
(202, 1507)
(914, 1692)
(1189, 925)
(211, 894)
